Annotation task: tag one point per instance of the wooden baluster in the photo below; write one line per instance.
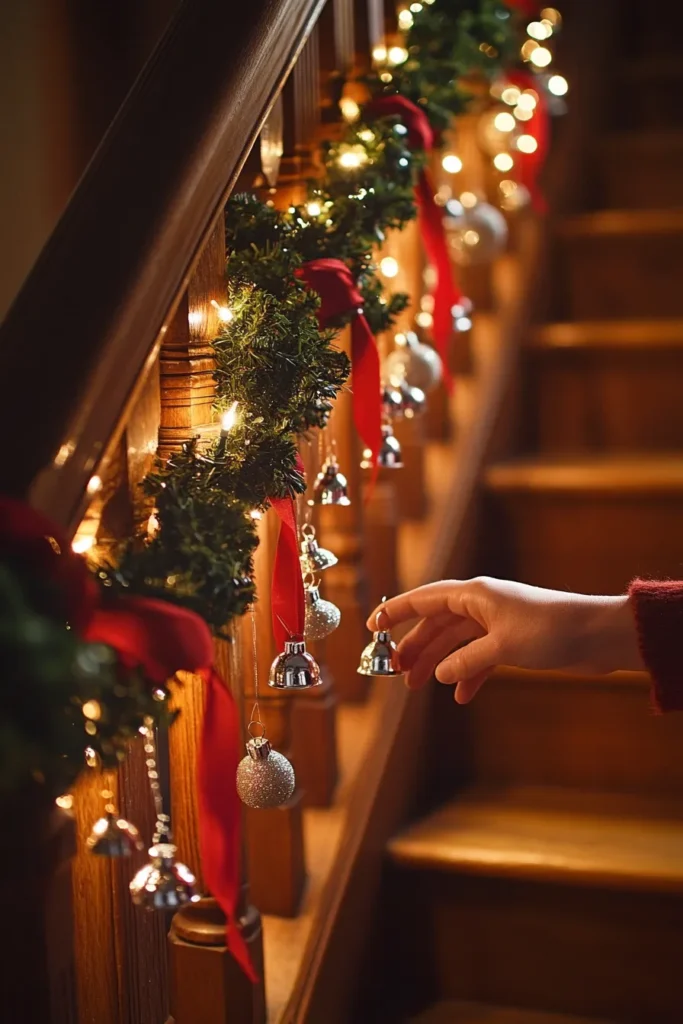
(275, 839)
(207, 986)
(369, 29)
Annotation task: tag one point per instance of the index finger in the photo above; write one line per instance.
(431, 599)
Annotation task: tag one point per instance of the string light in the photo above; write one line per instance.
(503, 162)
(229, 418)
(523, 113)
(92, 710)
(416, 7)
(504, 122)
(528, 48)
(82, 543)
(405, 19)
(451, 163)
(352, 157)
(540, 30)
(386, 77)
(153, 526)
(510, 95)
(66, 801)
(468, 200)
(552, 15)
(314, 209)
(397, 55)
(366, 135)
(527, 144)
(350, 110)
(224, 312)
(379, 54)
(94, 484)
(541, 57)
(558, 85)
(424, 319)
(388, 266)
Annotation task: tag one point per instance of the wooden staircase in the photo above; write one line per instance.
(549, 888)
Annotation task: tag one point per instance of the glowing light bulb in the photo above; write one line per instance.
(527, 144)
(552, 15)
(558, 85)
(528, 100)
(153, 525)
(82, 543)
(416, 7)
(314, 209)
(522, 114)
(504, 122)
(224, 312)
(540, 30)
(255, 514)
(468, 200)
(503, 162)
(528, 48)
(451, 163)
(229, 418)
(424, 319)
(541, 57)
(94, 484)
(405, 19)
(401, 340)
(66, 801)
(388, 266)
(366, 135)
(510, 95)
(397, 55)
(379, 54)
(350, 110)
(92, 710)
(352, 157)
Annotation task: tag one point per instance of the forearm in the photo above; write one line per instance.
(610, 638)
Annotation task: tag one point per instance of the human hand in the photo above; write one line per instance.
(467, 628)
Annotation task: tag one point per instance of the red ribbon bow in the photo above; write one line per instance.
(538, 126)
(163, 639)
(334, 283)
(288, 601)
(446, 293)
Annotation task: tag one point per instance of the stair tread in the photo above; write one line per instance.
(551, 834)
(624, 222)
(641, 473)
(626, 334)
(476, 1013)
(643, 140)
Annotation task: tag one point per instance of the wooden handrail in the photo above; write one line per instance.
(91, 313)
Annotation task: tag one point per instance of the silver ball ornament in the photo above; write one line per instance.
(477, 233)
(418, 364)
(264, 777)
(322, 617)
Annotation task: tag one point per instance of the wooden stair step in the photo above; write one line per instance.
(619, 335)
(457, 1012)
(551, 835)
(583, 732)
(586, 524)
(643, 169)
(623, 223)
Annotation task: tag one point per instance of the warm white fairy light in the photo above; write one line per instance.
(523, 113)
(388, 266)
(314, 209)
(386, 77)
(405, 19)
(92, 710)
(527, 144)
(379, 54)
(153, 526)
(82, 543)
(350, 110)
(66, 801)
(503, 162)
(510, 95)
(451, 163)
(424, 319)
(558, 85)
(352, 157)
(229, 418)
(552, 15)
(416, 7)
(397, 55)
(540, 30)
(504, 122)
(468, 200)
(225, 314)
(366, 135)
(256, 514)
(541, 57)
(94, 484)
(528, 48)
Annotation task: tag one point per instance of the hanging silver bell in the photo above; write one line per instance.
(380, 657)
(322, 617)
(313, 558)
(392, 401)
(113, 836)
(294, 669)
(390, 456)
(164, 883)
(265, 778)
(330, 487)
(413, 400)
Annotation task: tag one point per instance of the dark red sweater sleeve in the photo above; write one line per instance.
(658, 610)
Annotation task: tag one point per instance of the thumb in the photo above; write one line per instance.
(474, 659)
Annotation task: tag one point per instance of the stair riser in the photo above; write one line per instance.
(610, 400)
(544, 946)
(622, 276)
(527, 729)
(595, 543)
(637, 179)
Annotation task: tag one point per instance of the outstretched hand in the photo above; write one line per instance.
(467, 628)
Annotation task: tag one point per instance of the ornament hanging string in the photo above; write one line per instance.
(538, 126)
(288, 601)
(446, 293)
(334, 283)
(162, 639)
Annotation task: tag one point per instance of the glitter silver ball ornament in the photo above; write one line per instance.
(330, 487)
(113, 836)
(264, 777)
(164, 883)
(418, 364)
(322, 617)
(380, 657)
(389, 455)
(313, 558)
(294, 669)
(477, 233)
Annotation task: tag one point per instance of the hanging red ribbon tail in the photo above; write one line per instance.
(219, 803)
(446, 293)
(526, 7)
(162, 638)
(538, 126)
(287, 598)
(334, 283)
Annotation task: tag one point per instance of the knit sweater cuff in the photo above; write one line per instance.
(658, 610)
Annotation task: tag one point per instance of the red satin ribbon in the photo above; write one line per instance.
(287, 598)
(446, 293)
(531, 164)
(525, 7)
(334, 283)
(163, 639)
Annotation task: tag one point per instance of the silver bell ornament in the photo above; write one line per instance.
(392, 401)
(264, 777)
(390, 455)
(113, 836)
(380, 657)
(313, 558)
(413, 400)
(330, 487)
(477, 232)
(416, 363)
(294, 669)
(163, 883)
(322, 617)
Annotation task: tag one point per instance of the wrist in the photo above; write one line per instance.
(612, 637)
